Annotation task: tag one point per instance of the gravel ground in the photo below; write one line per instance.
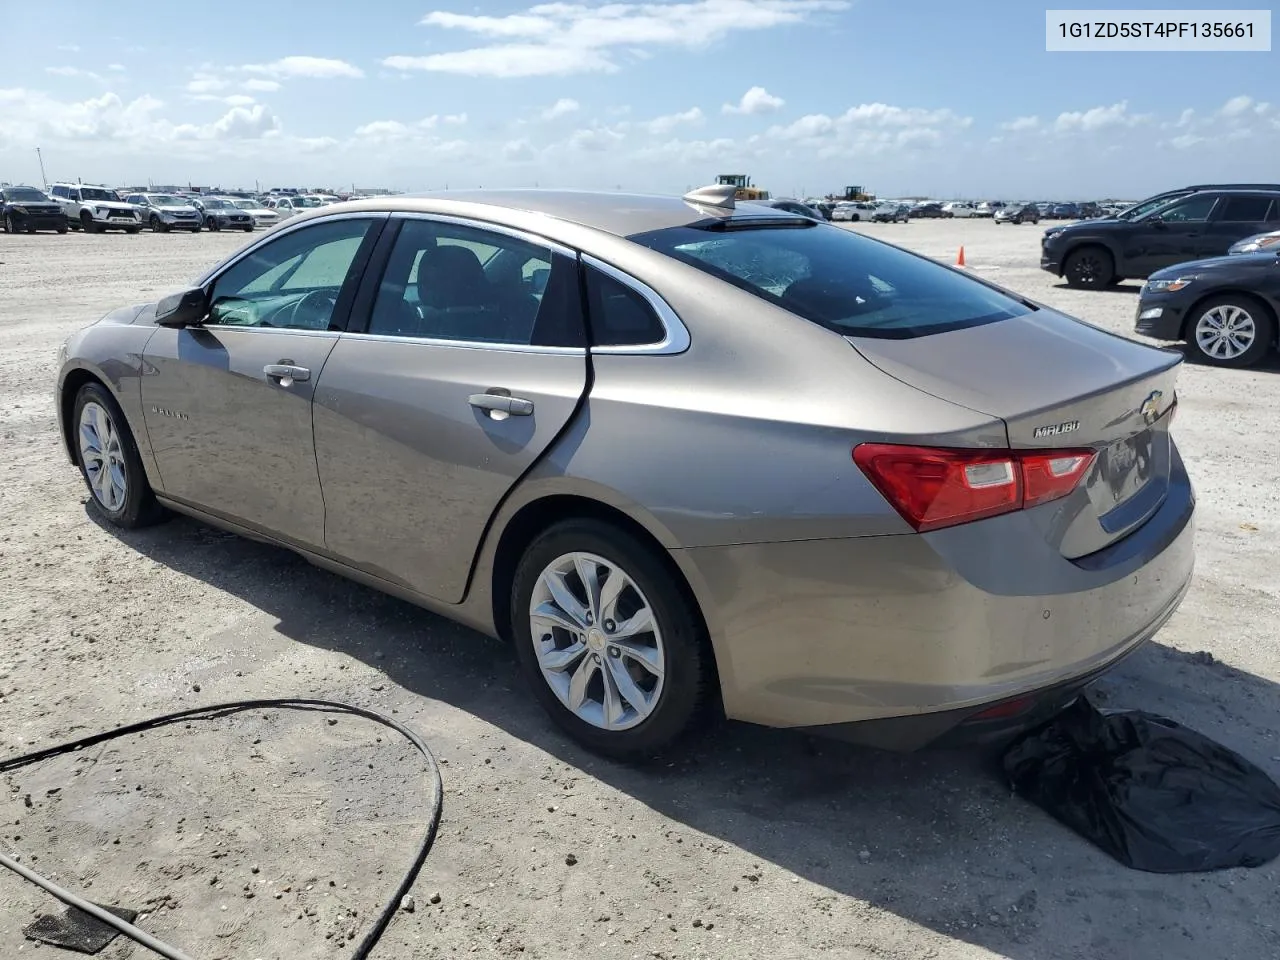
(277, 836)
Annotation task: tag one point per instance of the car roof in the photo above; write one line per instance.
(620, 214)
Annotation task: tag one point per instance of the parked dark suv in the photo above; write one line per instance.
(1097, 253)
(26, 210)
(1018, 213)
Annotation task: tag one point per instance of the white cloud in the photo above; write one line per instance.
(754, 101)
(668, 123)
(1236, 106)
(595, 139)
(73, 72)
(560, 108)
(1098, 118)
(454, 118)
(518, 151)
(871, 129)
(239, 100)
(69, 47)
(320, 68)
(116, 67)
(205, 83)
(560, 39)
(1021, 123)
(238, 123)
(258, 85)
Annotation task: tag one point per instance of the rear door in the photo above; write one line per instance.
(227, 404)
(1237, 217)
(465, 359)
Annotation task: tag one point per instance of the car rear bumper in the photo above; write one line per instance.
(930, 630)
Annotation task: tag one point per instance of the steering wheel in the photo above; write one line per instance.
(313, 311)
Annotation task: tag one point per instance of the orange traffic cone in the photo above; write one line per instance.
(960, 258)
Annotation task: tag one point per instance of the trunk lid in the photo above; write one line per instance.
(1059, 383)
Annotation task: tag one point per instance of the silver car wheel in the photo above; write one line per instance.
(103, 457)
(597, 641)
(1225, 332)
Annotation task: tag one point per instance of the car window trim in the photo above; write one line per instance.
(350, 285)
(676, 334)
(212, 274)
(376, 268)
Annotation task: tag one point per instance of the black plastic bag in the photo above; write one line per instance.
(1150, 792)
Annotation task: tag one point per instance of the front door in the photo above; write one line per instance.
(1177, 234)
(227, 404)
(468, 364)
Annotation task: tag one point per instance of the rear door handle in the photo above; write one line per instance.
(286, 373)
(499, 406)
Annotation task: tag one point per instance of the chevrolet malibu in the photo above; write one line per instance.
(687, 456)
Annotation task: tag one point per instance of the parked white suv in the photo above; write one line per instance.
(958, 208)
(94, 208)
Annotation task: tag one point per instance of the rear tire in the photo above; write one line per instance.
(62, 229)
(1209, 327)
(109, 462)
(1089, 268)
(676, 641)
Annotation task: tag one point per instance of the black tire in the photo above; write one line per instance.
(247, 229)
(10, 226)
(1089, 268)
(86, 222)
(62, 229)
(139, 507)
(1264, 330)
(212, 224)
(158, 225)
(688, 671)
(132, 230)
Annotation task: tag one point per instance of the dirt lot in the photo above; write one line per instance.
(277, 836)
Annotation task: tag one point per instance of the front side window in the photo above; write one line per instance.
(1194, 209)
(1245, 209)
(448, 281)
(845, 282)
(1147, 206)
(292, 282)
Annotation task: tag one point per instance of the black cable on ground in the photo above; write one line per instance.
(362, 952)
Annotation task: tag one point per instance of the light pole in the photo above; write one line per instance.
(44, 181)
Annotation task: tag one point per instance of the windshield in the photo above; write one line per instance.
(1149, 206)
(25, 195)
(164, 200)
(212, 203)
(97, 193)
(305, 202)
(246, 204)
(843, 281)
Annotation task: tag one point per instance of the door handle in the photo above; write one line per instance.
(499, 406)
(286, 373)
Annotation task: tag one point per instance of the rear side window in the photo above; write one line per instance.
(843, 281)
(620, 315)
(1273, 215)
(1246, 209)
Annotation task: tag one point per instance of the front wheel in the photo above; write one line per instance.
(612, 645)
(109, 461)
(1231, 331)
(86, 222)
(1089, 268)
(132, 229)
(10, 225)
(158, 225)
(62, 229)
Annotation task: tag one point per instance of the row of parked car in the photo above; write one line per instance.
(1210, 256)
(902, 211)
(95, 209)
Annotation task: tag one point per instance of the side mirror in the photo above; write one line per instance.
(186, 309)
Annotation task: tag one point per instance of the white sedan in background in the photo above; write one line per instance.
(262, 216)
(854, 211)
(958, 208)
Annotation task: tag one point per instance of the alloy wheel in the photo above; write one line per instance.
(1225, 331)
(597, 641)
(102, 454)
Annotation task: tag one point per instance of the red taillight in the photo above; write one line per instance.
(933, 487)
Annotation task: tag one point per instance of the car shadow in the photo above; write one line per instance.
(1269, 364)
(934, 837)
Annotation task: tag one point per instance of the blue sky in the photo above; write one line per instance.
(807, 96)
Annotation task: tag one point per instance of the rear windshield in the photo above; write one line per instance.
(846, 282)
